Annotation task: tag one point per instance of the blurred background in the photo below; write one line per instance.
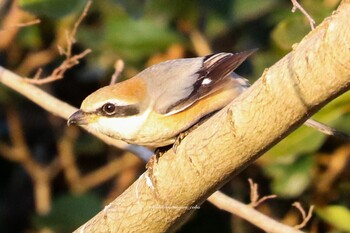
(54, 178)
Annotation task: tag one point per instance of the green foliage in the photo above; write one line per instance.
(289, 31)
(290, 160)
(30, 38)
(306, 139)
(69, 212)
(133, 39)
(51, 8)
(337, 215)
(136, 39)
(243, 10)
(291, 178)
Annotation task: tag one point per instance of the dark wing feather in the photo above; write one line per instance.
(215, 69)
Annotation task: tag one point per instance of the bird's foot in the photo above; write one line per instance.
(151, 179)
(184, 134)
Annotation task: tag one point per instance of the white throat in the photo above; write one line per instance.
(124, 128)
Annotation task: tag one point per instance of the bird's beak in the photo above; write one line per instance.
(79, 118)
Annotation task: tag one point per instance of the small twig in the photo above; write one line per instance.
(325, 129)
(251, 215)
(305, 217)
(118, 69)
(296, 6)
(71, 60)
(29, 23)
(59, 71)
(38, 74)
(20, 25)
(80, 19)
(254, 195)
(70, 37)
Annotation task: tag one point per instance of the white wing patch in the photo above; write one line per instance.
(206, 81)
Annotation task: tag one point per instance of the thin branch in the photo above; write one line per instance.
(77, 24)
(248, 213)
(296, 6)
(305, 217)
(327, 130)
(58, 73)
(118, 69)
(20, 25)
(255, 200)
(71, 60)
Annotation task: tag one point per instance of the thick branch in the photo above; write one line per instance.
(314, 73)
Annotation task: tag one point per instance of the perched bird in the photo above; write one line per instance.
(164, 100)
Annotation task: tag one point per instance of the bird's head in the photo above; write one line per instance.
(108, 109)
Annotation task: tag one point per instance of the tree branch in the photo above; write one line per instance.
(287, 94)
(248, 213)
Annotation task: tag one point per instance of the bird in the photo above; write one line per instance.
(158, 104)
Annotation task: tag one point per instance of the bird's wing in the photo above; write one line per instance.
(208, 77)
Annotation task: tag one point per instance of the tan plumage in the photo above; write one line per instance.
(164, 100)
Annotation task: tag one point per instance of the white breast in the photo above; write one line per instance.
(123, 128)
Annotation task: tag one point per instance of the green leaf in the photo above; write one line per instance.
(134, 8)
(69, 212)
(30, 37)
(51, 8)
(306, 139)
(242, 9)
(291, 179)
(121, 36)
(283, 160)
(336, 215)
(172, 10)
(290, 31)
(136, 39)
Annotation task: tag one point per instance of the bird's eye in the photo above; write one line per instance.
(109, 108)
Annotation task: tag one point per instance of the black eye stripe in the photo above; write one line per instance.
(111, 110)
